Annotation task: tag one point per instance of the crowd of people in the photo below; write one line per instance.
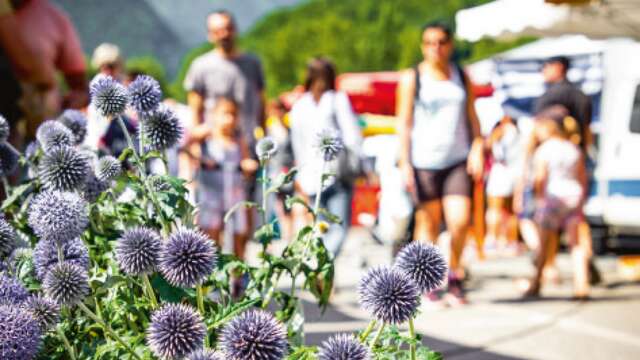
(537, 181)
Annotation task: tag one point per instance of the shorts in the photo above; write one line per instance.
(500, 181)
(555, 214)
(212, 211)
(435, 184)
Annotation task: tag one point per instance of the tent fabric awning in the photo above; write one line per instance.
(506, 19)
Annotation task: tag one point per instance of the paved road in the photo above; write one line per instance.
(497, 324)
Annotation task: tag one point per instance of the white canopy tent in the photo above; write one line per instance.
(506, 19)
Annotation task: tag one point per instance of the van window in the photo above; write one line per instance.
(634, 126)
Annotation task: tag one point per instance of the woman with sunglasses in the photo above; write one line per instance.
(440, 147)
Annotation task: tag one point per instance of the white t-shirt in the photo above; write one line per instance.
(561, 158)
(307, 119)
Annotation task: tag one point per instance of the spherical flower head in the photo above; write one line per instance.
(19, 256)
(390, 295)
(187, 258)
(343, 347)
(64, 169)
(4, 129)
(7, 238)
(20, 334)
(145, 94)
(66, 283)
(108, 96)
(137, 251)
(206, 355)
(175, 331)
(9, 158)
(266, 148)
(12, 291)
(93, 187)
(424, 264)
(108, 168)
(75, 121)
(52, 134)
(254, 334)
(59, 216)
(162, 128)
(45, 255)
(329, 143)
(45, 310)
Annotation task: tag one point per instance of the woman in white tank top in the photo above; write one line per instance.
(440, 145)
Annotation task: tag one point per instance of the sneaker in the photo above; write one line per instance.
(455, 292)
(434, 300)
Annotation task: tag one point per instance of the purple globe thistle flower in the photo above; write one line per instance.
(4, 129)
(7, 238)
(9, 157)
(45, 255)
(66, 283)
(175, 331)
(187, 258)
(343, 347)
(137, 251)
(93, 187)
(145, 94)
(12, 291)
(59, 216)
(162, 128)
(424, 264)
(108, 96)
(45, 310)
(75, 121)
(266, 148)
(254, 334)
(206, 355)
(52, 134)
(64, 169)
(390, 295)
(329, 143)
(20, 334)
(108, 168)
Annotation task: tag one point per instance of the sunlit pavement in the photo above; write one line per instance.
(497, 324)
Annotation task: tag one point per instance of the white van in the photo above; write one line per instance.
(608, 71)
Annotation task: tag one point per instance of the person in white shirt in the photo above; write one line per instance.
(319, 108)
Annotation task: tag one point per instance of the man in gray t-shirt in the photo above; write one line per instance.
(226, 72)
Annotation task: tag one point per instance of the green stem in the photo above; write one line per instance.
(141, 140)
(378, 334)
(150, 293)
(200, 301)
(412, 335)
(316, 205)
(367, 331)
(7, 187)
(67, 344)
(263, 209)
(108, 329)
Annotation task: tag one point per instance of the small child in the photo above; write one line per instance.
(224, 162)
(559, 182)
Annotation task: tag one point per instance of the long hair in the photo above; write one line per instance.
(320, 68)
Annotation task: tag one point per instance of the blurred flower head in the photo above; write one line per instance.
(390, 295)
(52, 134)
(4, 129)
(108, 96)
(175, 331)
(93, 187)
(75, 121)
(206, 355)
(12, 291)
(162, 128)
(20, 334)
(64, 169)
(254, 334)
(45, 255)
(329, 143)
(108, 168)
(66, 283)
(145, 94)
(45, 310)
(343, 347)
(187, 258)
(424, 264)
(266, 148)
(137, 251)
(58, 216)
(9, 158)
(7, 238)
